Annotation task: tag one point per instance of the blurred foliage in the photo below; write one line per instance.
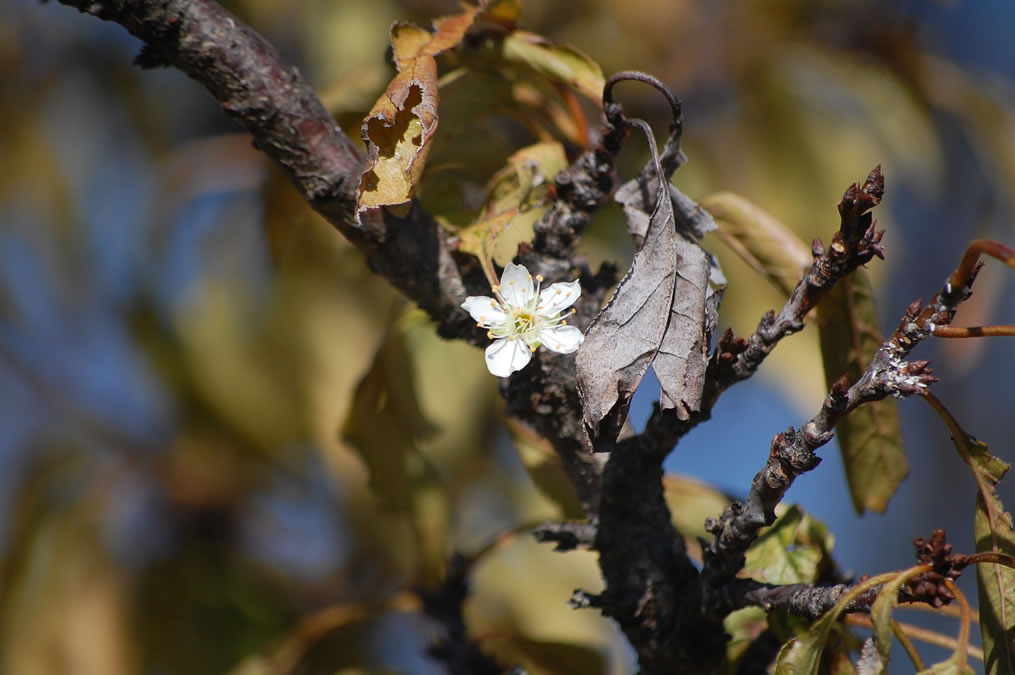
(217, 421)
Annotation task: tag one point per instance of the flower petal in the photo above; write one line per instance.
(558, 297)
(486, 311)
(516, 285)
(562, 339)
(505, 356)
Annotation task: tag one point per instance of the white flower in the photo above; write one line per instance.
(521, 318)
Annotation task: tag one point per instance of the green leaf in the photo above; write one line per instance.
(760, 239)
(870, 437)
(793, 550)
(881, 612)
(992, 528)
(743, 626)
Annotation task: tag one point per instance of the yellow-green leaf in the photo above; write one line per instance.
(561, 63)
(516, 197)
(792, 551)
(870, 437)
(397, 132)
(760, 239)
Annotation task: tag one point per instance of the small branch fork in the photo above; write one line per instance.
(792, 452)
(937, 565)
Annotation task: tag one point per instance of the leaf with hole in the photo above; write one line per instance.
(398, 129)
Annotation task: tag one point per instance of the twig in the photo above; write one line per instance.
(973, 331)
(567, 536)
(856, 243)
(919, 633)
(803, 600)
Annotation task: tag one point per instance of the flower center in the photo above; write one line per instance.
(524, 321)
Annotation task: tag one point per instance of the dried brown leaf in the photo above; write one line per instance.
(625, 336)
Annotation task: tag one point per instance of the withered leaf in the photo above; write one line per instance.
(625, 336)
(683, 354)
(663, 312)
(694, 312)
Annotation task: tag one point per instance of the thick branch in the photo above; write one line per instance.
(290, 124)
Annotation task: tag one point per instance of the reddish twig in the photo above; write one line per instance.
(973, 331)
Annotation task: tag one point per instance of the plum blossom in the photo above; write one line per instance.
(522, 317)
